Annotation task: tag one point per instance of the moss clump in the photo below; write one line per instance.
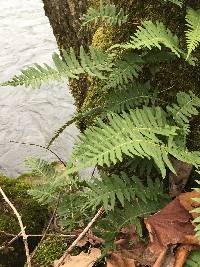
(51, 249)
(33, 217)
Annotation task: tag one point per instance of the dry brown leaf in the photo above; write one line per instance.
(83, 259)
(169, 226)
(186, 200)
(119, 260)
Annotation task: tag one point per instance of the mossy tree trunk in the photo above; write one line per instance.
(64, 17)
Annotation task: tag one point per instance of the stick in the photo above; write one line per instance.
(23, 233)
(83, 233)
(182, 254)
(11, 241)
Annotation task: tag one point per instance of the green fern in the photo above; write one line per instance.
(95, 65)
(151, 35)
(132, 134)
(41, 168)
(186, 107)
(121, 188)
(135, 96)
(107, 14)
(193, 32)
(125, 70)
(176, 2)
(193, 259)
(132, 213)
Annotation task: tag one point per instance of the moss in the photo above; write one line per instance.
(51, 249)
(33, 217)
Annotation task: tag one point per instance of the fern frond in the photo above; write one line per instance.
(124, 71)
(95, 64)
(121, 188)
(176, 2)
(151, 35)
(193, 32)
(41, 168)
(186, 107)
(107, 14)
(132, 134)
(193, 259)
(135, 96)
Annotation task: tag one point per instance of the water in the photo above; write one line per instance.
(28, 115)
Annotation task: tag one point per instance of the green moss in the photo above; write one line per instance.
(51, 249)
(33, 217)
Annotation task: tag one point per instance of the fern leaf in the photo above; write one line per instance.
(124, 71)
(193, 259)
(176, 2)
(151, 35)
(95, 64)
(135, 96)
(186, 107)
(132, 134)
(122, 188)
(193, 32)
(107, 14)
(41, 168)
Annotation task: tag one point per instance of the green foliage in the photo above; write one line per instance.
(193, 259)
(95, 64)
(136, 95)
(186, 107)
(176, 2)
(125, 70)
(107, 14)
(193, 32)
(132, 134)
(197, 210)
(151, 35)
(109, 190)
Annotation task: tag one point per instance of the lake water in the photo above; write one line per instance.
(28, 115)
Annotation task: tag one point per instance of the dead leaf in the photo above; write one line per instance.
(83, 259)
(186, 200)
(119, 260)
(169, 226)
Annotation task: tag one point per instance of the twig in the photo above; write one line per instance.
(182, 254)
(83, 233)
(23, 233)
(11, 241)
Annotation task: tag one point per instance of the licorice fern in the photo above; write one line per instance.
(107, 14)
(132, 134)
(125, 70)
(193, 32)
(193, 259)
(110, 189)
(186, 107)
(95, 64)
(151, 35)
(136, 95)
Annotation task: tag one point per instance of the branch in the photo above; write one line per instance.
(11, 241)
(23, 233)
(83, 233)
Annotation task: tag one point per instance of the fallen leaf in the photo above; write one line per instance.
(186, 200)
(169, 226)
(83, 259)
(119, 260)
